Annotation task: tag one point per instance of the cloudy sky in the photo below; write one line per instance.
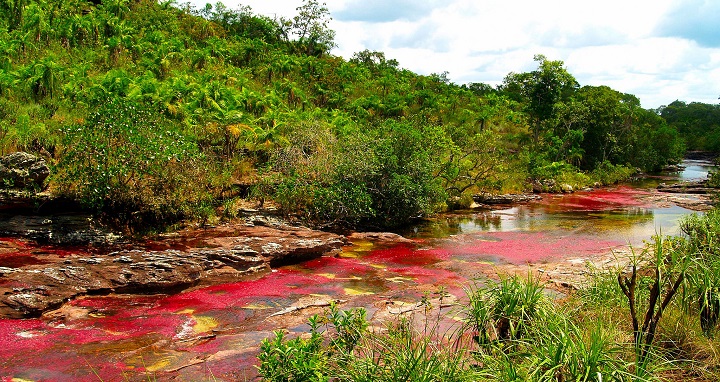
(659, 50)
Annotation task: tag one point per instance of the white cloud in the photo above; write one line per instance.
(639, 46)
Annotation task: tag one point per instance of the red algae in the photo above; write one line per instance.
(406, 255)
(18, 335)
(531, 247)
(597, 200)
(280, 284)
(224, 324)
(20, 259)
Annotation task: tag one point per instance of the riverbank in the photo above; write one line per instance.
(216, 320)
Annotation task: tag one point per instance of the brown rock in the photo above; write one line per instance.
(188, 258)
(379, 237)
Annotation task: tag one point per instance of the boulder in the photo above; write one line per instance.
(59, 229)
(23, 170)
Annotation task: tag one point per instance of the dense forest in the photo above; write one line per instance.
(156, 112)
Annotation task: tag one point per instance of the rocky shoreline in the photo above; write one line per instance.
(189, 258)
(36, 277)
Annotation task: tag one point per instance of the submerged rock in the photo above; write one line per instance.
(187, 259)
(688, 187)
(380, 237)
(485, 198)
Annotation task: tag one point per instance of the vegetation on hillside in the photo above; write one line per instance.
(153, 113)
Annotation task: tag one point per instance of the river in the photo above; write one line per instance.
(213, 332)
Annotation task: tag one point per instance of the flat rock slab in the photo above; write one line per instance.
(692, 187)
(167, 264)
(504, 198)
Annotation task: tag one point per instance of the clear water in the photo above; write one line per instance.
(627, 212)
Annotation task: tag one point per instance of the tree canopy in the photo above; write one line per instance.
(264, 111)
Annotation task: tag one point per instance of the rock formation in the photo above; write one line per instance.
(169, 264)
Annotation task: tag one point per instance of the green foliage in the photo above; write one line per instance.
(313, 358)
(382, 177)
(347, 351)
(239, 87)
(296, 359)
(668, 265)
(607, 173)
(703, 233)
(504, 310)
(697, 123)
(125, 159)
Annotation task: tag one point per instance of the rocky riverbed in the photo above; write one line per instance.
(44, 278)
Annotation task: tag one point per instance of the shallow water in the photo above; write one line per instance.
(213, 332)
(695, 169)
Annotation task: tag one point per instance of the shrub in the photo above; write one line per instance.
(382, 177)
(125, 160)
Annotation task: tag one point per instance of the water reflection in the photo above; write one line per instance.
(695, 169)
(538, 217)
(622, 212)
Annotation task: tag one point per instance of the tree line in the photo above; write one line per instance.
(153, 112)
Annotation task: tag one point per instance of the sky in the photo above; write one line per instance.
(658, 50)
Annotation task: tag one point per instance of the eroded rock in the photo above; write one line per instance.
(689, 187)
(22, 170)
(504, 198)
(189, 258)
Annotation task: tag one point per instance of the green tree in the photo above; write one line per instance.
(697, 123)
(540, 91)
(309, 30)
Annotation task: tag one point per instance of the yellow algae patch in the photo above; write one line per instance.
(159, 365)
(257, 306)
(356, 292)
(21, 380)
(186, 311)
(378, 266)
(348, 255)
(334, 277)
(204, 324)
(364, 244)
(399, 279)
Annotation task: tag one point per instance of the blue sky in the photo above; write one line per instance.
(658, 50)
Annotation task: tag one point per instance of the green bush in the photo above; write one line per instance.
(124, 159)
(382, 177)
(607, 173)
